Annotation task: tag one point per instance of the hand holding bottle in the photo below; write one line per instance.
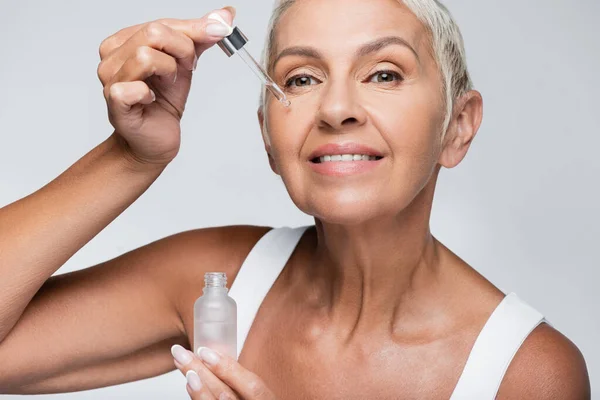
(211, 375)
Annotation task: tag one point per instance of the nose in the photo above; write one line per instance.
(340, 108)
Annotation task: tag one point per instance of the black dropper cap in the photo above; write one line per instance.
(233, 42)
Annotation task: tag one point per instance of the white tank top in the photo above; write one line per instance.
(497, 343)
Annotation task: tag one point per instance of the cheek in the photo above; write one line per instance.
(288, 128)
(410, 123)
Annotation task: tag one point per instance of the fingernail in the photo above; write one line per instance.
(181, 355)
(208, 356)
(218, 29)
(193, 380)
(153, 95)
(218, 17)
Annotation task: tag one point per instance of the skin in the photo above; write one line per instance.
(370, 305)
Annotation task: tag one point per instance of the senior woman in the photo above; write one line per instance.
(366, 304)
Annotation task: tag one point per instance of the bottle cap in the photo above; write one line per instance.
(233, 42)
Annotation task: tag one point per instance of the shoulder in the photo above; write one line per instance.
(547, 366)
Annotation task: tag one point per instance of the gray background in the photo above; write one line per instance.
(522, 208)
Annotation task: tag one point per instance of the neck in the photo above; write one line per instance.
(373, 273)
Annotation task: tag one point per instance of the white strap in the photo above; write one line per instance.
(504, 332)
(258, 273)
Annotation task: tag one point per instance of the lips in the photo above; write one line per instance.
(332, 149)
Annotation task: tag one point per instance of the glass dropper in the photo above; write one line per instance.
(234, 44)
(263, 76)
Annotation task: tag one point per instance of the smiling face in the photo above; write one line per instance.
(362, 81)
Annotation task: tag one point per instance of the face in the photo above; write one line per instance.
(362, 81)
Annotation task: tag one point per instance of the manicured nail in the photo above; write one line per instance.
(208, 356)
(193, 380)
(218, 17)
(181, 355)
(218, 29)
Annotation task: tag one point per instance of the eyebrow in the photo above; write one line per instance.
(366, 49)
(378, 44)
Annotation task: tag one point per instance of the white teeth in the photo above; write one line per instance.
(347, 157)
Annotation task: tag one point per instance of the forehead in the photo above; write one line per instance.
(346, 24)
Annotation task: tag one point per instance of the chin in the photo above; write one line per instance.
(347, 207)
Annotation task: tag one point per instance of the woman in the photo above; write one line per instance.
(365, 304)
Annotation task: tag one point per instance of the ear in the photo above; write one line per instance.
(468, 113)
(261, 121)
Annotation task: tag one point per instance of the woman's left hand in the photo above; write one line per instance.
(214, 376)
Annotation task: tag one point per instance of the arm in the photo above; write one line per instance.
(115, 322)
(41, 232)
(123, 308)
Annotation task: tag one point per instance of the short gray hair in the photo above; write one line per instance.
(446, 43)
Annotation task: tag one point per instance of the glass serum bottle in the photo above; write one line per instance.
(215, 317)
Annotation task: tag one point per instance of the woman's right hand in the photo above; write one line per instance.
(146, 71)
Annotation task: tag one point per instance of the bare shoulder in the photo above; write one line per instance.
(547, 366)
(183, 259)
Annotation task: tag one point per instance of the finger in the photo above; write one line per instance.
(108, 45)
(196, 28)
(232, 11)
(196, 389)
(123, 96)
(193, 28)
(206, 31)
(114, 42)
(214, 384)
(156, 36)
(146, 62)
(186, 361)
(247, 384)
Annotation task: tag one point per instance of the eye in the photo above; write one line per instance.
(301, 80)
(385, 77)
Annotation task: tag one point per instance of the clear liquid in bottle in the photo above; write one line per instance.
(215, 317)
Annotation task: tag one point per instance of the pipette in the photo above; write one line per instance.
(234, 44)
